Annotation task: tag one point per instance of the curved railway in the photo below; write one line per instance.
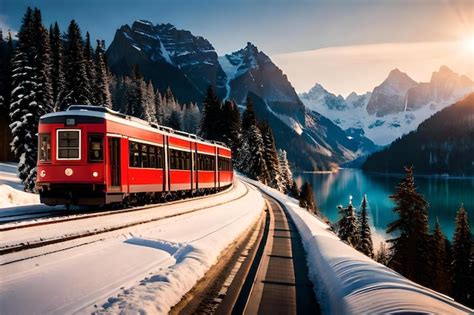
(269, 274)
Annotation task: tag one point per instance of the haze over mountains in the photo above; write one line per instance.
(395, 107)
(189, 64)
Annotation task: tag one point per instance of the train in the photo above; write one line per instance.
(94, 156)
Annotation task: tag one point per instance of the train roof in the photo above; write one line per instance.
(109, 114)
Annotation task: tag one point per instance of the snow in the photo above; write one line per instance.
(141, 269)
(11, 193)
(230, 71)
(348, 282)
(164, 52)
(136, 47)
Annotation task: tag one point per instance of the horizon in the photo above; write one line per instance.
(312, 46)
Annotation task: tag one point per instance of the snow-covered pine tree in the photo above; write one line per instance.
(347, 225)
(90, 66)
(78, 89)
(210, 119)
(101, 87)
(382, 256)
(271, 158)
(57, 65)
(174, 120)
(191, 118)
(307, 200)
(31, 95)
(286, 174)
(150, 114)
(439, 261)
(364, 245)
(462, 278)
(159, 107)
(411, 248)
(294, 190)
(251, 155)
(136, 95)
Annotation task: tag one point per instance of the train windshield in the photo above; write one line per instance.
(69, 145)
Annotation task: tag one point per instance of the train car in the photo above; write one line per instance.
(90, 155)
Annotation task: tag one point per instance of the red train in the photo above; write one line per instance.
(89, 155)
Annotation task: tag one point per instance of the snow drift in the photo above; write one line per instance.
(348, 282)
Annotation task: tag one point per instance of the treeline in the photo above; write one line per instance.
(47, 70)
(426, 258)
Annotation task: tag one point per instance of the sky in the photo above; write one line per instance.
(340, 44)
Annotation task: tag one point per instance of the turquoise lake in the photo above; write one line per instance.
(444, 196)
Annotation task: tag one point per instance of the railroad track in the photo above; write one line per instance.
(65, 216)
(62, 239)
(269, 274)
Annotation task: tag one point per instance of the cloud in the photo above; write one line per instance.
(360, 68)
(5, 27)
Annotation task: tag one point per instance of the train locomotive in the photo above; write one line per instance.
(91, 155)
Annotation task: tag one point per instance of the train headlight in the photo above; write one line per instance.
(42, 173)
(95, 174)
(68, 171)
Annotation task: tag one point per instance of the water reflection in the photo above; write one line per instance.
(444, 196)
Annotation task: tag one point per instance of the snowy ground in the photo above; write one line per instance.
(11, 190)
(348, 282)
(142, 269)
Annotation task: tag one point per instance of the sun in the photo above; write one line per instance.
(469, 43)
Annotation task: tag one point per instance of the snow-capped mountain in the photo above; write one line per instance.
(390, 96)
(189, 64)
(169, 57)
(392, 109)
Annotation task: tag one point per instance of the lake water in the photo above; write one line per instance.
(444, 196)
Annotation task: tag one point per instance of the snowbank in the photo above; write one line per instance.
(348, 282)
(10, 188)
(10, 196)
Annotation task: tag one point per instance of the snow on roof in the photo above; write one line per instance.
(348, 282)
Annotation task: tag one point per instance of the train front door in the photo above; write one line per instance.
(114, 161)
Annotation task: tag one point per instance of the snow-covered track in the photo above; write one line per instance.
(30, 219)
(9, 244)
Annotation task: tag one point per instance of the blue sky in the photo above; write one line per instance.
(276, 27)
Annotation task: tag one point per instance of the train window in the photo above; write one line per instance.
(206, 162)
(96, 148)
(44, 145)
(225, 164)
(152, 156)
(68, 145)
(180, 160)
(144, 153)
(159, 157)
(134, 155)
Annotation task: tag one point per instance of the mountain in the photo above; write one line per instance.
(394, 108)
(390, 96)
(189, 64)
(317, 145)
(251, 70)
(443, 144)
(169, 57)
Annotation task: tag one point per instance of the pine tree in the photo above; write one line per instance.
(78, 90)
(210, 123)
(101, 87)
(382, 256)
(248, 118)
(175, 120)
(410, 249)
(294, 190)
(364, 244)
(271, 157)
(440, 266)
(136, 95)
(229, 125)
(150, 114)
(57, 66)
(307, 200)
(348, 225)
(90, 67)
(286, 174)
(31, 95)
(191, 118)
(159, 107)
(462, 254)
(6, 51)
(118, 90)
